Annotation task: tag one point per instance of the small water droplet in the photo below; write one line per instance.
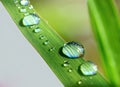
(15, 1)
(19, 7)
(79, 82)
(51, 49)
(70, 70)
(66, 63)
(88, 68)
(73, 50)
(23, 10)
(46, 42)
(26, 14)
(24, 2)
(32, 27)
(36, 30)
(30, 7)
(41, 37)
(31, 19)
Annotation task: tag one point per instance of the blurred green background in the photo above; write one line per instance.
(70, 19)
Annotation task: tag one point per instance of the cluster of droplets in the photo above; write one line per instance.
(31, 20)
(72, 50)
(66, 64)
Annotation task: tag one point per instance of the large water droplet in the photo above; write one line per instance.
(31, 19)
(24, 2)
(88, 68)
(36, 30)
(73, 50)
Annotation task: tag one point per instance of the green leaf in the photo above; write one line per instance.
(53, 58)
(106, 27)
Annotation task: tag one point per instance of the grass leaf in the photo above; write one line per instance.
(53, 58)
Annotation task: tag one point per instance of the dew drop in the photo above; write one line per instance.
(88, 68)
(46, 42)
(66, 63)
(79, 82)
(15, 1)
(73, 50)
(31, 19)
(36, 30)
(32, 27)
(51, 49)
(30, 7)
(23, 10)
(19, 7)
(26, 14)
(70, 70)
(41, 37)
(24, 2)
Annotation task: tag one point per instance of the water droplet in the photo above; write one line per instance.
(51, 49)
(15, 1)
(19, 7)
(23, 10)
(46, 42)
(70, 70)
(26, 14)
(24, 2)
(79, 82)
(36, 30)
(32, 27)
(30, 7)
(88, 68)
(41, 37)
(73, 50)
(66, 63)
(31, 19)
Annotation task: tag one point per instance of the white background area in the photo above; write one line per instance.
(20, 64)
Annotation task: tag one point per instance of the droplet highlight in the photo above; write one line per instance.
(41, 37)
(79, 82)
(24, 2)
(23, 10)
(51, 49)
(88, 68)
(70, 70)
(31, 19)
(66, 63)
(30, 7)
(46, 42)
(36, 30)
(73, 50)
